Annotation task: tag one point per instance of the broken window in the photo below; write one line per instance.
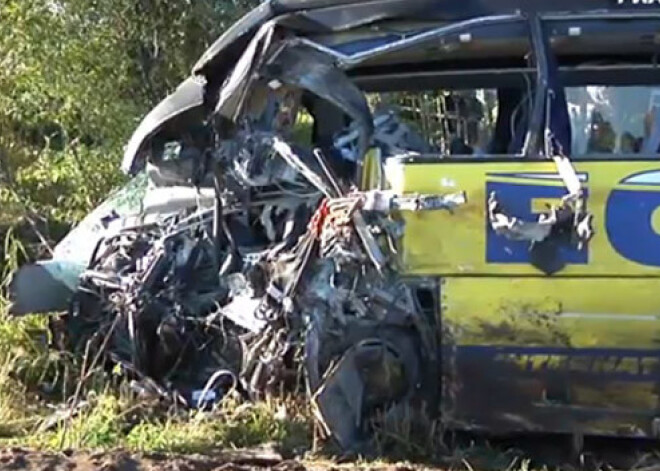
(614, 120)
(458, 122)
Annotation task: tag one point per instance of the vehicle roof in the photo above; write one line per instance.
(328, 16)
(341, 24)
(452, 9)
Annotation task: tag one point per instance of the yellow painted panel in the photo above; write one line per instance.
(445, 243)
(556, 354)
(562, 312)
(541, 205)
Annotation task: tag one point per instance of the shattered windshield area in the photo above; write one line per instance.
(448, 122)
(614, 120)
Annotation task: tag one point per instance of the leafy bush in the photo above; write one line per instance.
(76, 76)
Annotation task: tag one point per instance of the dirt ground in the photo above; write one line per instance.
(18, 458)
(23, 459)
(522, 454)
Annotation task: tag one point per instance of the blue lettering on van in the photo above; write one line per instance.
(517, 199)
(628, 214)
(629, 219)
(604, 363)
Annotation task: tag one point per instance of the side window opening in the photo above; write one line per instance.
(613, 121)
(457, 122)
(468, 122)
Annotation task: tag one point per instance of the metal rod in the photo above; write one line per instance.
(534, 129)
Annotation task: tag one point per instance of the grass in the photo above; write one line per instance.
(33, 415)
(111, 417)
(110, 421)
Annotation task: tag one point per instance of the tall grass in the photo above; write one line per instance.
(24, 356)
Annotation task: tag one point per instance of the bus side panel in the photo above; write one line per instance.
(553, 354)
(624, 198)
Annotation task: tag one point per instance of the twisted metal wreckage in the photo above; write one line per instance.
(253, 261)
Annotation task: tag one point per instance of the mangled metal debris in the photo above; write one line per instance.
(275, 272)
(164, 303)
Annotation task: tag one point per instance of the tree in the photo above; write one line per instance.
(76, 76)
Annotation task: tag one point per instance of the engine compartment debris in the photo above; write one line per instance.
(276, 274)
(190, 310)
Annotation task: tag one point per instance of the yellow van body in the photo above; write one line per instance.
(575, 351)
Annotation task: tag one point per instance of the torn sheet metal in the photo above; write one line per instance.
(173, 321)
(387, 201)
(391, 136)
(182, 106)
(48, 285)
(290, 156)
(561, 225)
(233, 92)
(223, 287)
(220, 56)
(515, 229)
(54, 281)
(315, 72)
(324, 16)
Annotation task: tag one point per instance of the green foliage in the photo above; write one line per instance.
(62, 73)
(76, 76)
(109, 421)
(63, 185)
(232, 425)
(97, 427)
(24, 357)
(286, 422)
(191, 436)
